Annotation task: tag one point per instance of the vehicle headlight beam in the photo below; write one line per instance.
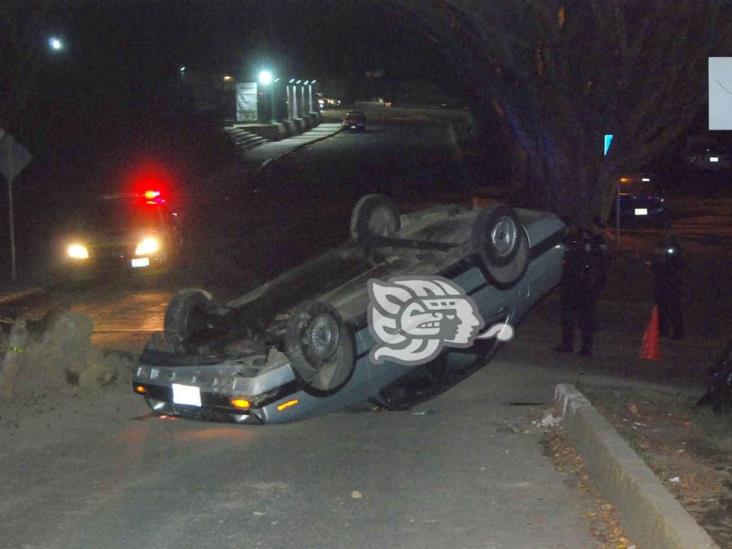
(149, 245)
(77, 251)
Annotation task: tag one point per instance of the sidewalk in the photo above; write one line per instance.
(258, 157)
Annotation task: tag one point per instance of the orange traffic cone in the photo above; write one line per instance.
(651, 346)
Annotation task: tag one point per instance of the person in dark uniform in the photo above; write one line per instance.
(584, 273)
(667, 265)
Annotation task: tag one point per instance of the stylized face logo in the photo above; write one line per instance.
(413, 319)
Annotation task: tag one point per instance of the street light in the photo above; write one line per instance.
(265, 78)
(55, 43)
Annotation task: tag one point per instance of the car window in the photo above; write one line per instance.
(117, 215)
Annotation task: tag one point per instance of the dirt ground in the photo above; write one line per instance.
(690, 451)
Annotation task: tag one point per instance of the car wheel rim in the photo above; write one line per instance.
(504, 236)
(382, 222)
(323, 337)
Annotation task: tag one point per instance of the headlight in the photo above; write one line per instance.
(148, 246)
(77, 251)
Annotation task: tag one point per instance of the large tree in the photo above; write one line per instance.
(561, 74)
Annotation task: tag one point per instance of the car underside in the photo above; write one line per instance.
(298, 346)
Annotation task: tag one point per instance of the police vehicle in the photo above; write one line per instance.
(120, 232)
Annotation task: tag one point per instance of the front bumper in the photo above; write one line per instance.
(217, 385)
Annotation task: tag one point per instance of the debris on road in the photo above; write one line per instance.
(56, 354)
(549, 421)
(16, 345)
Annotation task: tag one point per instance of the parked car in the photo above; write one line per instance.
(120, 232)
(355, 120)
(638, 182)
(300, 345)
(708, 156)
(641, 210)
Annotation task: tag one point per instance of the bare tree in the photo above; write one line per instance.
(561, 74)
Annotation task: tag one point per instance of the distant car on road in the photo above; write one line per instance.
(132, 231)
(355, 120)
(708, 156)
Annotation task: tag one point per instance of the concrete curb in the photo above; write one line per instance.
(266, 163)
(647, 511)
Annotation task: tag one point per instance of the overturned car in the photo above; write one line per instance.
(300, 345)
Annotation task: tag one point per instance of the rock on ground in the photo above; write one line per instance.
(60, 357)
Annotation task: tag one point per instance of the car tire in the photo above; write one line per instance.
(374, 215)
(501, 244)
(181, 319)
(320, 347)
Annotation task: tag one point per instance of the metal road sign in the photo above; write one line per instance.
(14, 157)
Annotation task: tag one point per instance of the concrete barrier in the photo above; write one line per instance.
(289, 127)
(312, 119)
(647, 511)
(299, 124)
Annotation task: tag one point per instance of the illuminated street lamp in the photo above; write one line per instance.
(55, 43)
(265, 77)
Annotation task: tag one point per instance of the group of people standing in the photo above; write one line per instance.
(584, 274)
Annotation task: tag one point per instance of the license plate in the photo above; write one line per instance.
(713, 159)
(186, 395)
(641, 211)
(138, 262)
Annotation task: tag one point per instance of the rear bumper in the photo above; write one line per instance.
(214, 407)
(218, 385)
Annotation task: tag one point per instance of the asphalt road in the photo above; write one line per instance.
(464, 470)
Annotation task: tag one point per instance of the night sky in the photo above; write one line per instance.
(121, 58)
(143, 42)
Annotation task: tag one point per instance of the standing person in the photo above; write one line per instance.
(584, 273)
(667, 264)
